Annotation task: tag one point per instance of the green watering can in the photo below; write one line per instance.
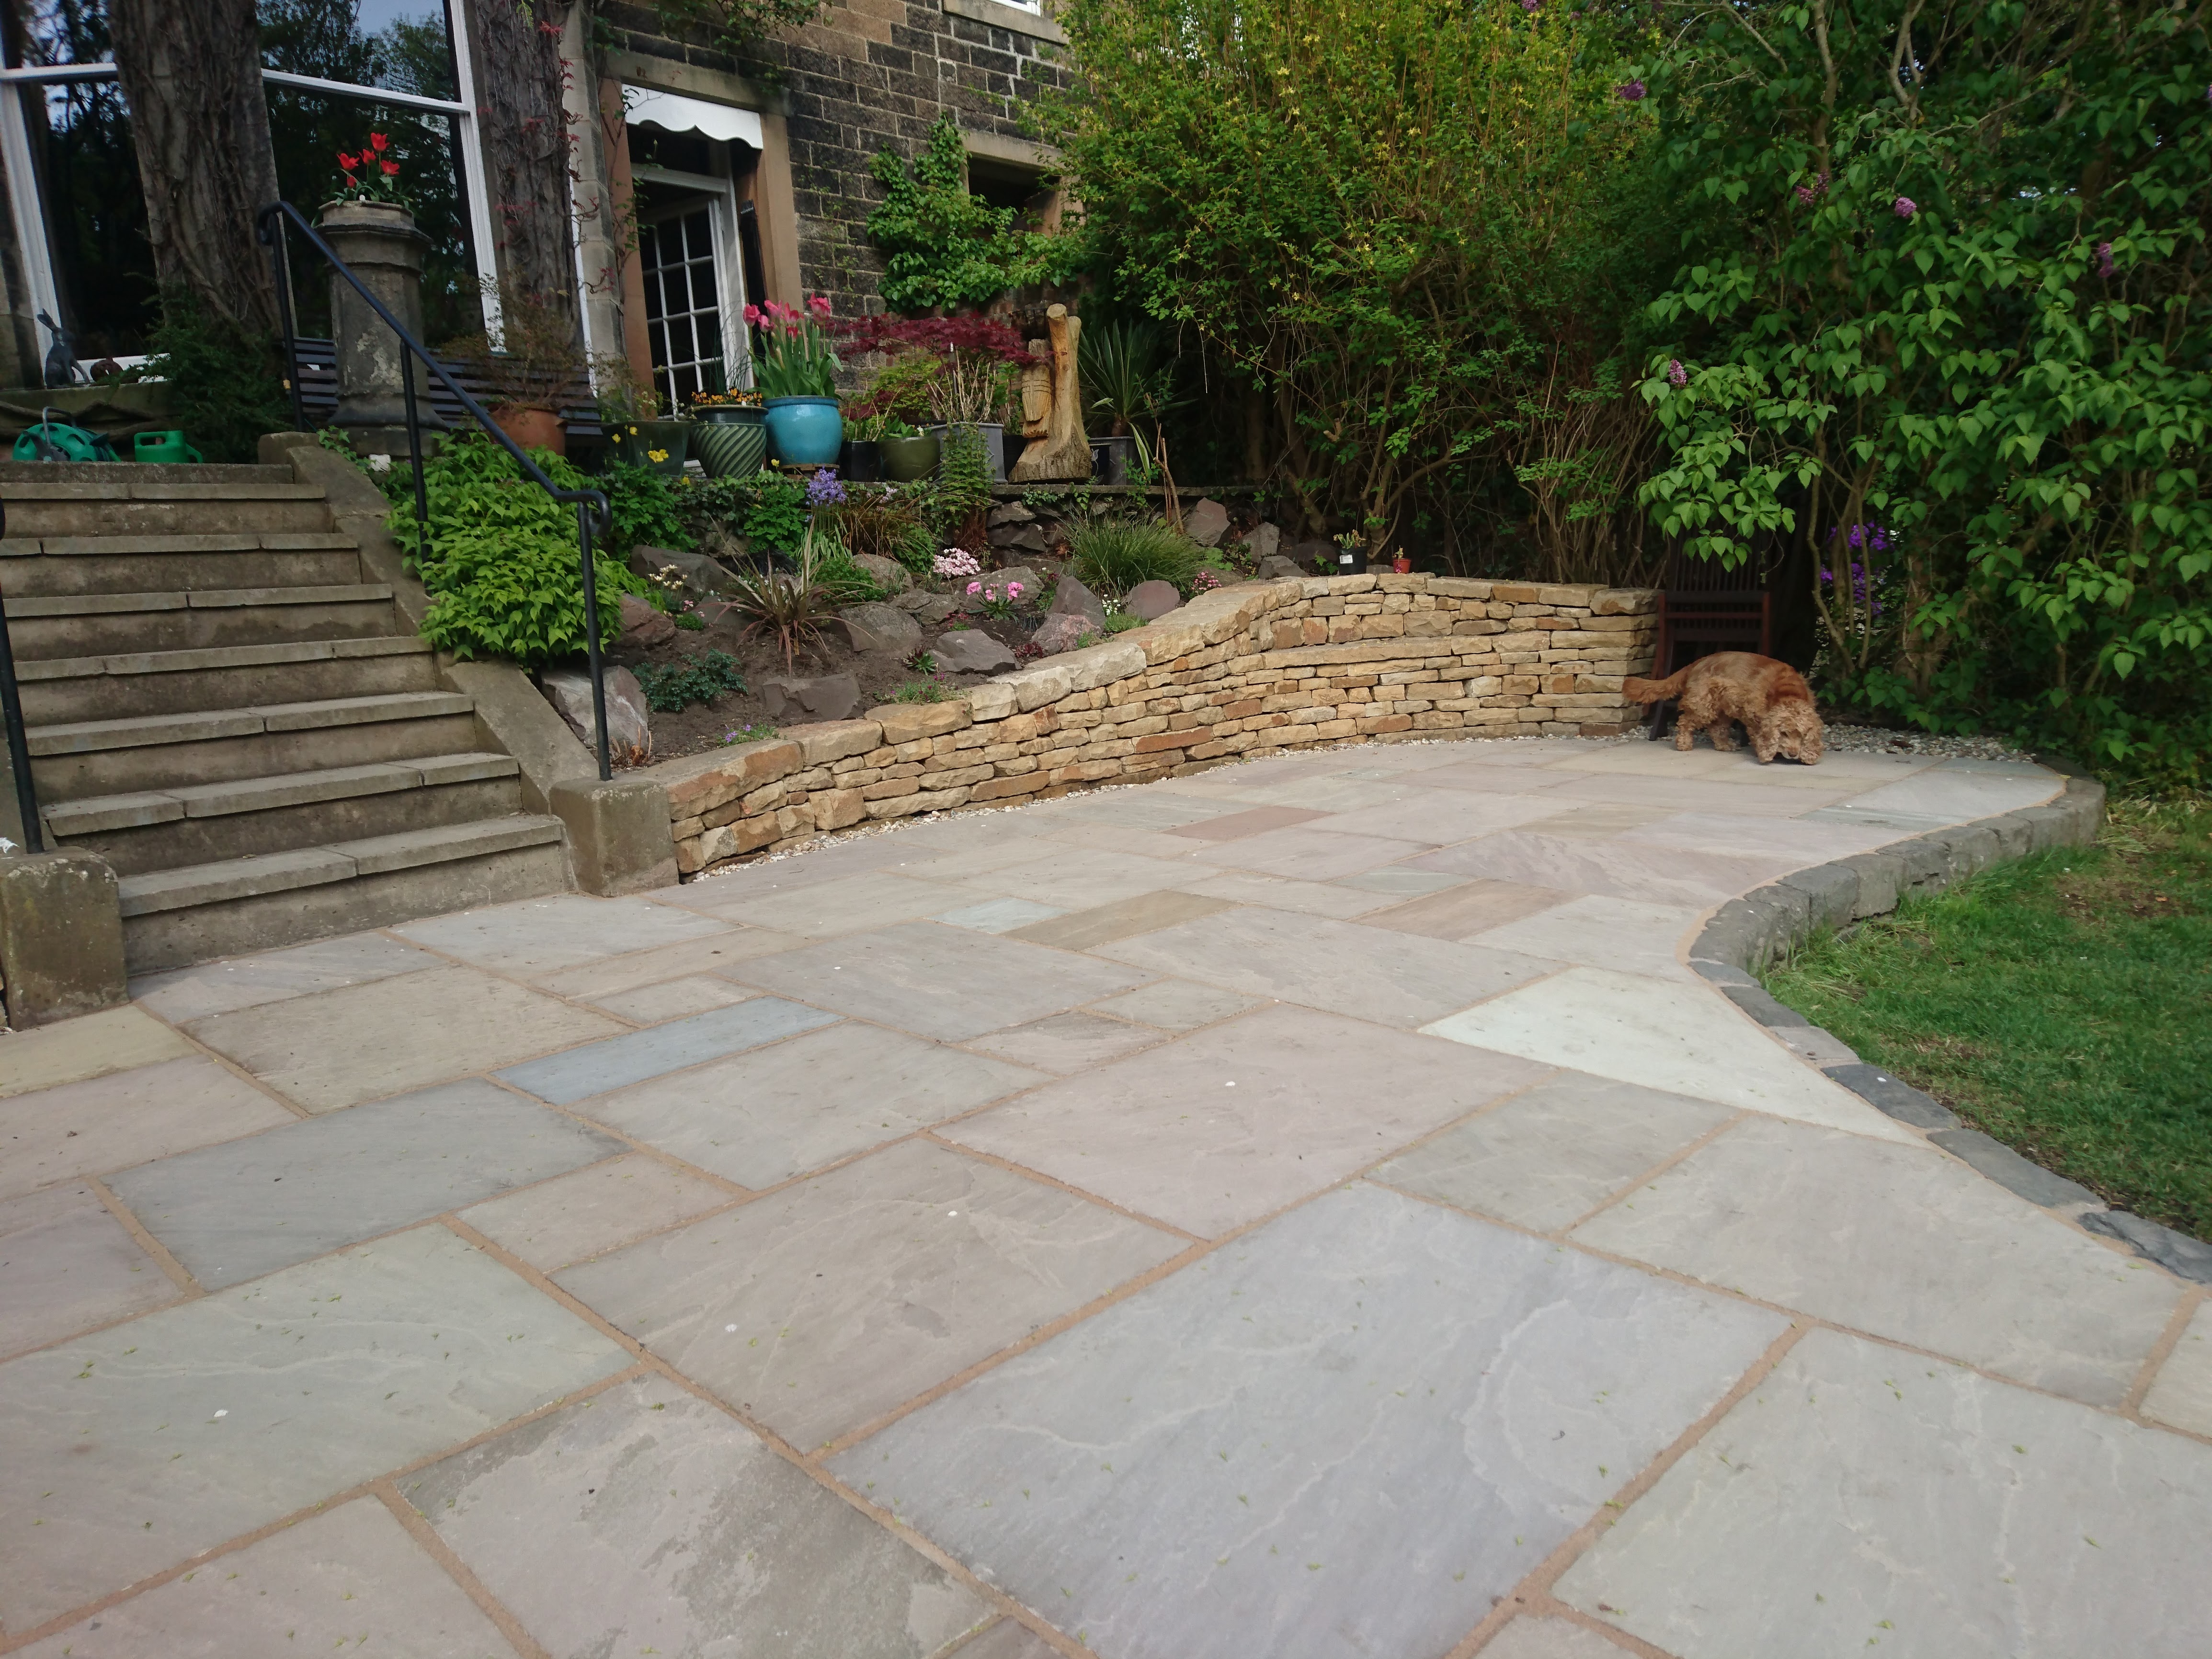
(56, 440)
(154, 446)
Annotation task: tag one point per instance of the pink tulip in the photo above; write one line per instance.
(820, 305)
(753, 315)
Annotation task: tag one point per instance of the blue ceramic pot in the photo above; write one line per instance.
(805, 431)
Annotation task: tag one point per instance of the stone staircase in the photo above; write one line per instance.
(226, 708)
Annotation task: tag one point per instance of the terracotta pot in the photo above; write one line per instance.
(1403, 567)
(533, 429)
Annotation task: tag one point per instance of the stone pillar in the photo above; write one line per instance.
(61, 936)
(381, 244)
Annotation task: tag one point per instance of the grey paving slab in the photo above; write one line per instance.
(1000, 915)
(1554, 1152)
(112, 1040)
(1392, 978)
(616, 1062)
(1466, 907)
(674, 998)
(539, 936)
(1437, 818)
(1576, 865)
(1117, 838)
(1102, 923)
(1903, 1243)
(1144, 809)
(2181, 1394)
(1549, 1638)
(1007, 1640)
(216, 987)
(1065, 1042)
(1347, 1434)
(348, 1579)
(1218, 1128)
(66, 1264)
(336, 1047)
(1863, 1499)
(761, 1118)
(1626, 934)
(1953, 795)
(709, 954)
(247, 1207)
(1663, 795)
(1401, 882)
(819, 1308)
(1593, 821)
(1799, 840)
(1309, 852)
(324, 1376)
(575, 1216)
(941, 982)
(645, 1521)
(1176, 1004)
(111, 1122)
(855, 904)
(1074, 878)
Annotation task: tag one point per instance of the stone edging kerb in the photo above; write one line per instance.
(1747, 933)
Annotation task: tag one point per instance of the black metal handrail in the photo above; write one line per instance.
(18, 747)
(591, 504)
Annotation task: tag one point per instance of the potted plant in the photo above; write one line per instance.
(536, 371)
(1124, 381)
(909, 456)
(862, 461)
(370, 226)
(729, 433)
(795, 371)
(960, 370)
(1351, 555)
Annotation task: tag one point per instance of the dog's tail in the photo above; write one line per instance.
(1641, 690)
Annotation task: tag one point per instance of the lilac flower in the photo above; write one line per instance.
(1676, 375)
(1907, 207)
(2103, 258)
(1530, 5)
(1809, 194)
(1632, 91)
(823, 489)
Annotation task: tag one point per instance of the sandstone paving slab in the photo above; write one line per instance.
(1861, 1500)
(1680, 1038)
(1314, 898)
(541, 935)
(1000, 915)
(1346, 1434)
(1067, 1042)
(1487, 778)
(943, 982)
(1237, 825)
(1593, 821)
(1803, 840)
(126, 1117)
(1402, 882)
(1555, 1151)
(1464, 907)
(1662, 796)
(216, 987)
(1007, 1640)
(762, 1118)
(1394, 979)
(1115, 838)
(1102, 923)
(325, 1375)
(1176, 1004)
(247, 1207)
(857, 903)
(616, 1062)
(575, 1217)
(819, 1308)
(91, 1045)
(1575, 864)
(644, 1520)
(1905, 1242)
(2182, 1393)
(1437, 818)
(1549, 1638)
(1076, 878)
(1626, 934)
(1953, 794)
(1218, 1128)
(1337, 793)
(674, 998)
(709, 954)
(350, 1578)
(336, 1048)
(1143, 809)
(66, 1264)
(1308, 853)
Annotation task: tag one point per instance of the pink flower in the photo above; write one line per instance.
(975, 588)
(2103, 258)
(1676, 375)
(819, 305)
(1907, 207)
(1014, 589)
(753, 315)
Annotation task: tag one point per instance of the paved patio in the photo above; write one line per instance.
(1307, 1208)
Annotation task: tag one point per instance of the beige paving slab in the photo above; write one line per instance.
(1313, 898)
(1627, 934)
(1309, 852)
(112, 1040)
(66, 1265)
(1440, 817)
(1176, 1004)
(1065, 1042)
(1802, 839)
(124, 1118)
(573, 1217)
(2182, 1393)
(1221, 1127)
(649, 1005)
(1115, 838)
(1955, 794)
(1903, 1242)
(858, 1290)
(1665, 795)
(1251, 821)
(216, 987)
(1553, 1152)
(1591, 820)
(336, 1047)
(1007, 1640)
(1683, 1038)
(1073, 879)
(1102, 923)
(857, 903)
(1865, 1500)
(350, 1579)
(1609, 864)
(543, 935)
(1469, 908)
(1549, 1638)
(706, 955)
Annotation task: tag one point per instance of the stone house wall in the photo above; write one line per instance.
(1246, 670)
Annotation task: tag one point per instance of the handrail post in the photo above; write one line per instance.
(271, 231)
(18, 747)
(415, 456)
(591, 638)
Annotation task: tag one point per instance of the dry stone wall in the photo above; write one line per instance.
(1250, 669)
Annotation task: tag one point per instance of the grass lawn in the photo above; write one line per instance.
(2061, 1004)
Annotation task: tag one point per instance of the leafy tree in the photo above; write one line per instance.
(943, 247)
(1944, 326)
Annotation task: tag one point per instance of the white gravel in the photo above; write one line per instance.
(1876, 739)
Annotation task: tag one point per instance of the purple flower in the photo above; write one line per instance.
(1530, 5)
(823, 489)
(1907, 207)
(2103, 258)
(1632, 91)
(1676, 375)
(1809, 194)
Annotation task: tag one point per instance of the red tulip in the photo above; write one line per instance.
(347, 161)
(391, 169)
(377, 141)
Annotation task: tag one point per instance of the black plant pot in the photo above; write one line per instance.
(862, 461)
(1111, 458)
(1351, 562)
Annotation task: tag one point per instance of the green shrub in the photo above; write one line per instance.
(225, 380)
(695, 679)
(501, 563)
(1114, 557)
(643, 506)
(776, 517)
(922, 691)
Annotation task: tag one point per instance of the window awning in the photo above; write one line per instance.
(644, 106)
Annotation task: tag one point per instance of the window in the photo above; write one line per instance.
(683, 304)
(692, 163)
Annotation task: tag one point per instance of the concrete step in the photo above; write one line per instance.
(84, 624)
(84, 758)
(205, 823)
(104, 473)
(114, 687)
(133, 506)
(170, 917)
(40, 565)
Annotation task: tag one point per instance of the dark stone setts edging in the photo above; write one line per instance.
(1747, 933)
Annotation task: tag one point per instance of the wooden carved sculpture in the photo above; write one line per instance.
(1058, 449)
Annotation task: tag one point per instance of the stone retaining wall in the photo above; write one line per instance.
(1245, 671)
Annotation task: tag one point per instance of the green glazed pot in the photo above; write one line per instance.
(906, 460)
(730, 448)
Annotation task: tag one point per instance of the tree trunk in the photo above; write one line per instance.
(191, 77)
(526, 145)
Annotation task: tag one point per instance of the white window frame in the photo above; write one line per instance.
(729, 259)
(29, 207)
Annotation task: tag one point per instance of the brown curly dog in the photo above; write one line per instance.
(1771, 698)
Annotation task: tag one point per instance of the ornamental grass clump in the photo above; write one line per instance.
(791, 607)
(1114, 557)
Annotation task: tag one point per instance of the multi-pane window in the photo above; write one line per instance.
(682, 305)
